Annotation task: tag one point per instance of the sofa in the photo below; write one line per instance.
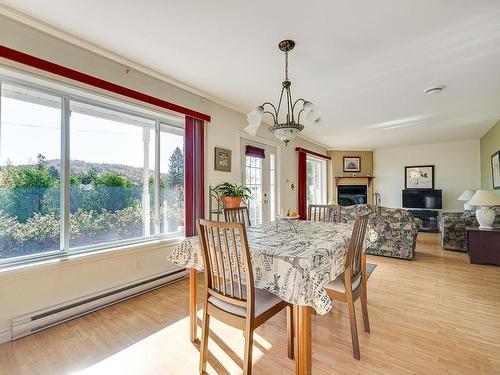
(452, 228)
(392, 232)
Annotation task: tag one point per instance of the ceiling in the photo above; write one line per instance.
(366, 63)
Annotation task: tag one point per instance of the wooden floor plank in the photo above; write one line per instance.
(437, 314)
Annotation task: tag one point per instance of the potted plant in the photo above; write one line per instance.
(232, 194)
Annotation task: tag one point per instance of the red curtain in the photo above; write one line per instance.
(302, 185)
(194, 169)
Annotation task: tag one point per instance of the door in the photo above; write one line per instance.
(259, 173)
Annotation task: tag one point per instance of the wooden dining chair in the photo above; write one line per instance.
(237, 215)
(351, 284)
(324, 212)
(231, 296)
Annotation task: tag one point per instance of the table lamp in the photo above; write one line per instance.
(466, 196)
(484, 199)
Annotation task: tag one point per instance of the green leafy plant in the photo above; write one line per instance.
(227, 189)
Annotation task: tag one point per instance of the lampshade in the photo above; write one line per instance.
(466, 195)
(311, 112)
(484, 198)
(254, 119)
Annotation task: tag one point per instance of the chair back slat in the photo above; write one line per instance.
(214, 257)
(353, 262)
(238, 261)
(227, 261)
(228, 256)
(324, 212)
(223, 262)
(237, 215)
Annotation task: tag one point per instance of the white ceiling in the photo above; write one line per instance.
(364, 63)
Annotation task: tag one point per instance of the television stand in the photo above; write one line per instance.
(429, 219)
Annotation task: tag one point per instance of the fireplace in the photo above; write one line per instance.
(347, 195)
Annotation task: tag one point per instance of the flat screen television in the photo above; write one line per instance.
(430, 199)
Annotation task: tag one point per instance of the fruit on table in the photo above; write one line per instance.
(293, 213)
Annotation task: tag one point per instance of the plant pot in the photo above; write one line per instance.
(231, 202)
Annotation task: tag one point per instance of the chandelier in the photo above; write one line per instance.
(285, 128)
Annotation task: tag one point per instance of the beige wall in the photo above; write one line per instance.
(490, 143)
(22, 291)
(457, 168)
(337, 169)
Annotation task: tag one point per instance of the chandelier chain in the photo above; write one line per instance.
(286, 66)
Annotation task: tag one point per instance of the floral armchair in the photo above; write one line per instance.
(391, 232)
(452, 227)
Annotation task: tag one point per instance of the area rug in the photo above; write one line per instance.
(369, 269)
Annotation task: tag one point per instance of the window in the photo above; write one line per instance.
(171, 179)
(30, 146)
(79, 172)
(254, 183)
(111, 175)
(316, 180)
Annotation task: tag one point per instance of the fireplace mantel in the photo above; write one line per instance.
(368, 178)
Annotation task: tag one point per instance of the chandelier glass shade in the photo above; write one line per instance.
(285, 126)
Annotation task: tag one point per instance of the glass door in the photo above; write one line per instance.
(259, 170)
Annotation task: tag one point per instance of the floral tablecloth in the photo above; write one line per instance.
(294, 266)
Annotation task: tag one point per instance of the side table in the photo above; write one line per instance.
(483, 245)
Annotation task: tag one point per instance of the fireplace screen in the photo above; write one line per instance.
(351, 194)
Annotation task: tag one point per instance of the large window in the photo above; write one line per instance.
(316, 180)
(79, 172)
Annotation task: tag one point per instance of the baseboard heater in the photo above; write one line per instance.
(42, 319)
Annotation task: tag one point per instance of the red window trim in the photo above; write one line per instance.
(305, 150)
(38, 63)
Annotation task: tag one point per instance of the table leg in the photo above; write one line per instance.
(303, 360)
(193, 321)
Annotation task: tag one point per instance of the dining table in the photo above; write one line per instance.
(293, 264)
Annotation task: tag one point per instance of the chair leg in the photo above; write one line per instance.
(290, 331)
(247, 360)
(204, 341)
(354, 329)
(364, 309)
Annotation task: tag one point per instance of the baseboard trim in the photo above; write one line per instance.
(5, 335)
(42, 319)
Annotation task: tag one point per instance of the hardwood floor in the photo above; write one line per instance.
(437, 314)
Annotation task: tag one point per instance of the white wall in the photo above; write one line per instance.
(456, 168)
(29, 289)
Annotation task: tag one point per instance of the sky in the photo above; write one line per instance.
(28, 129)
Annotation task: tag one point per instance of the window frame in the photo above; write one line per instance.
(67, 93)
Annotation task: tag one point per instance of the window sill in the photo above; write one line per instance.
(91, 256)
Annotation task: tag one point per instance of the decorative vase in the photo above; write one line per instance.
(231, 202)
(485, 217)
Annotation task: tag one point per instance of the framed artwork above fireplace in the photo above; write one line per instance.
(352, 164)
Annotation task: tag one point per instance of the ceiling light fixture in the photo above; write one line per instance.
(434, 90)
(289, 128)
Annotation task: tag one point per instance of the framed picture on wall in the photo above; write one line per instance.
(419, 177)
(495, 169)
(222, 159)
(352, 164)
